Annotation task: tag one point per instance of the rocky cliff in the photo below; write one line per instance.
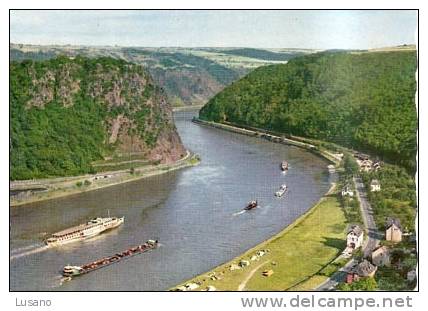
(68, 112)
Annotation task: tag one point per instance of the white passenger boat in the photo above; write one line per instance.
(84, 231)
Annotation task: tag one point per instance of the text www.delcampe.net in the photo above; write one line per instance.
(312, 301)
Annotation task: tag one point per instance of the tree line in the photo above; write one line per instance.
(364, 100)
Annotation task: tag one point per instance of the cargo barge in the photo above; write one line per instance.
(72, 271)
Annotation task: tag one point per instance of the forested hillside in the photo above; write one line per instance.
(67, 113)
(362, 100)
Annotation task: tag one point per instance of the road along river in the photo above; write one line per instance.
(194, 212)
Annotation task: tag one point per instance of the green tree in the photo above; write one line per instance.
(365, 101)
(350, 165)
(364, 284)
(61, 113)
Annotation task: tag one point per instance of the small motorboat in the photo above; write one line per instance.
(252, 204)
(284, 166)
(281, 191)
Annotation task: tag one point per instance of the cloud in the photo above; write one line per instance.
(310, 29)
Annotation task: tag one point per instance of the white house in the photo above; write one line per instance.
(411, 275)
(355, 237)
(374, 185)
(347, 192)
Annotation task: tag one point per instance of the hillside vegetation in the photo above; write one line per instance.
(66, 113)
(365, 101)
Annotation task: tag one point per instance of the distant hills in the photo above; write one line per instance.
(188, 75)
(360, 99)
(264, 54)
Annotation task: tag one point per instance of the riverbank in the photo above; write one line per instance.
(53, 188)
(318, 236)
(300, 142)
(328, 276)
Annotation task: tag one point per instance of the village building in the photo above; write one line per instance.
(381, 256)
(363, 270)
(374, 185)
(354, 239)
(411, 275)
(347, 192)
(365, 166)
(377, 165)
(393, 230)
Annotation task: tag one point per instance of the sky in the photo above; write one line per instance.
(259, 29)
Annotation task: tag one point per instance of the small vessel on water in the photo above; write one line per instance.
(71, 271)
(252, 204)
(284, 166)
(281, 191)
(91, 228)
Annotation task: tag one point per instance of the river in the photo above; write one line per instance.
(193, 212)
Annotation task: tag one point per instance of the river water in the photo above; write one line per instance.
(193, 212)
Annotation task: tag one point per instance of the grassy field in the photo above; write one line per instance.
(294, 255)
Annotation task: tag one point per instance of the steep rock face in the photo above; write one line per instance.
(66, 113)
(185, 86)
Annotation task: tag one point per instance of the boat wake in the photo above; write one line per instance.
(239, 213)
(244, 211)
(27, 250)
(266, 209)
(61, 280)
